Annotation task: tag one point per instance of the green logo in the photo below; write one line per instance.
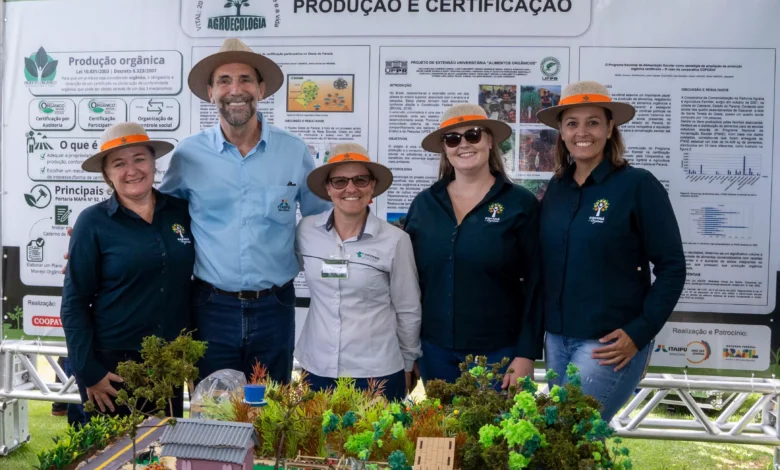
(40, 67)
(364, 255)
(94, 106)
(550, 68)
(44, 107)
(237, 22)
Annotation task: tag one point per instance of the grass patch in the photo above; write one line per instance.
(43, 427)
(680, 455)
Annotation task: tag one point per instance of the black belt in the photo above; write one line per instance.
(243, 294)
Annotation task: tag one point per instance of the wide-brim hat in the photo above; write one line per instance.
(233, 51)
(465, 114)
(348, 153)
(119, 136)
(586, 93)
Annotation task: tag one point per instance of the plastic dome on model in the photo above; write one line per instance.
(211, 399)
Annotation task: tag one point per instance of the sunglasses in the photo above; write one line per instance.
(341, 182)
(452, 139)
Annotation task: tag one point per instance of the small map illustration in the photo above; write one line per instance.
(320, 93)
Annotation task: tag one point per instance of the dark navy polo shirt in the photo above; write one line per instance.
(126, 279)
(479, 280)
(598, 241)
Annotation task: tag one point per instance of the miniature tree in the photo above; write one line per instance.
(149, 386)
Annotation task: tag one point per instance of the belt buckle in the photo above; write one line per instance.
(255, 295)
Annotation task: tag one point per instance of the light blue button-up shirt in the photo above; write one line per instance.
(243, 208)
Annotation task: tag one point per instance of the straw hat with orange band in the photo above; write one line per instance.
(348, 153)
(118, 136)
(465, 114)
(586, 93)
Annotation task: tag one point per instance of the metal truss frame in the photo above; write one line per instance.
(759, 426)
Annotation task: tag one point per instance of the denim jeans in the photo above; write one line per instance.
(239, 332)
(611, 389)
(444, 363)
(395, 384)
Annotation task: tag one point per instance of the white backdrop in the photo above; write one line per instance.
(702, 73)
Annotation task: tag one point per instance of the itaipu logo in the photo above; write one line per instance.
(40, 68)
(237, 22)
(284, 206)
(551, 67)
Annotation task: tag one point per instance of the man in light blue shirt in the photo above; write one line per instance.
(242, 179)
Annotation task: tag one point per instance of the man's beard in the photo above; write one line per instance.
(237, 118)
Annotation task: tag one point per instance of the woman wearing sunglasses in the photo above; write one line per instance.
(475, 242)
(364, 317)
(602, 223)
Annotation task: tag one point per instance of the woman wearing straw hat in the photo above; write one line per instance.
(475, 238)
(364, 317)
(602, 223)
(129, 269)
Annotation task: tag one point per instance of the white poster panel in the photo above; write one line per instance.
(713, 346)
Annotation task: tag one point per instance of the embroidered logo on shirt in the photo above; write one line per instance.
(599, 207)
(283, 207)
(364, 255)
(495, 210)
(179, 230)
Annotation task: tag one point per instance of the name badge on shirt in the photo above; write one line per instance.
(335, 268)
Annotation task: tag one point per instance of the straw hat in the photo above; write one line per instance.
(234, 51)
(465, 114)
(119, 136)
(586, 93)
(348, 153)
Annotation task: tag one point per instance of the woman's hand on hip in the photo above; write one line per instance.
(520, 367)
(100, 394)
(620, 352)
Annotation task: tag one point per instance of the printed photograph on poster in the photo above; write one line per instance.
(537, 150)
(314, 93)
(320, 151)
(507, 149)
(536, 186)
(499, 102)
(536, 98)
(397, 218)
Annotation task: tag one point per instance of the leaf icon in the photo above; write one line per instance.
(41, 58)
(97, 109)
(49, 69)
(48, 110)
(29, 65)
(30, 200)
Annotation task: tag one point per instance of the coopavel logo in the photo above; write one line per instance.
(237, 22)
(40, 68)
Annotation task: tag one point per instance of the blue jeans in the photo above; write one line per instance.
(395, 384)
(239, 332)
(444, 363)
(611, 389)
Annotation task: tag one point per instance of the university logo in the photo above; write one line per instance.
(40, 68)
(599, 207)
(283, 207)
(179, 230)
(396, 67)
(550, 68)
(237, 22)
(495, 210)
